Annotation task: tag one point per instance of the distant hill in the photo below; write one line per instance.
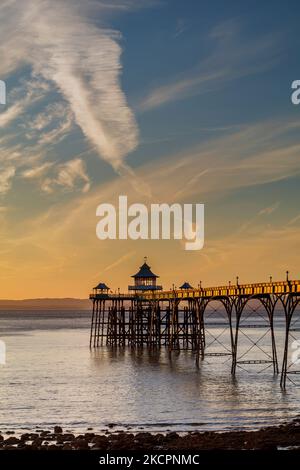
(46, 304)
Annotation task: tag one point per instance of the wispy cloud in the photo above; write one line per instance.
(119, 261)
(36, 172)
(181, 27)
(252, 156)
(253, 221)
(294, 220)
(10, 114)
(51, 125)
(67, 176)
(6, 176)
(178, 90)
(269, 210)
(22, 98)
(232, 57)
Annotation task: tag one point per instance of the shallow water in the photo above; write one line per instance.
(52, 377)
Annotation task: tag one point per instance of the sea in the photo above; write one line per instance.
(51, 377)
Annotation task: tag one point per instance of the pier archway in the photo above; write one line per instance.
(215, 316)
(254, 321)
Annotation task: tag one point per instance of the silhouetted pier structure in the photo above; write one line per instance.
(197, 319)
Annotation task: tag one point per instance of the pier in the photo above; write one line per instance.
(206, 320)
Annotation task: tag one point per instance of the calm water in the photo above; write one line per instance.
(51, 377)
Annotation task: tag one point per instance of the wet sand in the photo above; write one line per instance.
(270, 438)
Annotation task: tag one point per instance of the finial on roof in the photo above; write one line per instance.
(145, 259)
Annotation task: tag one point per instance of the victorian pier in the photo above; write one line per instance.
(206, 320)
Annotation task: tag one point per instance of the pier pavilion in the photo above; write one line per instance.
(144, 280)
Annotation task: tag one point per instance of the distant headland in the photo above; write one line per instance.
(45, 304)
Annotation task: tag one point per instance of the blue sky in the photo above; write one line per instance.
(166, 101)
(170, 41)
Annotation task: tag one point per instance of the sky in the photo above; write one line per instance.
(160, 100)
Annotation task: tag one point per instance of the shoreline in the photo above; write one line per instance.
(283, 436)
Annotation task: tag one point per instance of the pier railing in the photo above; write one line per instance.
(280, 287)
